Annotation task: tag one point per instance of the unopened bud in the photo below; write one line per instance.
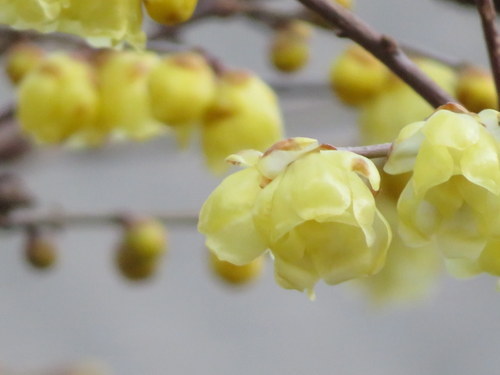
(234, 274)
(141, 248)
(357, 76)
(476, 89)
(170, 12)
(40, 250)
(290, 47)
(21, 59)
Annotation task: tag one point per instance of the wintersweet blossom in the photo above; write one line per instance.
(312, 206)
(453, 196)
(103, 23)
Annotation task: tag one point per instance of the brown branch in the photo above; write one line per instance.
(381, 46)
(487, 12)
(23, 220)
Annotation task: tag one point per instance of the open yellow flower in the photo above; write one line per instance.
(103, 23)
(309, 205)
(453, 196)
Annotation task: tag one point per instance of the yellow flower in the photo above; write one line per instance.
(57, 99)
(308, 205)
(453, 196)
(40, 15)
(103, 23)
(244, 115)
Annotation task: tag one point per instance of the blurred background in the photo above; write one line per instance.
(185, 321)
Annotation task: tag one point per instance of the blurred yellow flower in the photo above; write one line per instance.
(103, 23)
(244, 114)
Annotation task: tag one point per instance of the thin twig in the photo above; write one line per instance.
(487, 12)
(7, 114)
(381, 46)
(61, 219)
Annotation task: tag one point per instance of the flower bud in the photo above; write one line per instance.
(476, 89)
(356, 76)
(345, 3)
(40, 249)
(146, 238)
(398, 105)
(21, 59)
(125, 107)
(135, 267)
(244, 114)
(170, 12)
(290, 47)
(234, 274)
(57, 99)
(181, 88)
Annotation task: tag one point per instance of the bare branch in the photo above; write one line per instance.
(381, 46)
(24, 220)
(487, 12)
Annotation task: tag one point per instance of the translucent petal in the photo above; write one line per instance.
(450, 129)
(480, 165)
(227, 222)
(434, 165)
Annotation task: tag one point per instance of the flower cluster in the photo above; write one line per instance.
(312, 206)
(103, 23)
(132, 95)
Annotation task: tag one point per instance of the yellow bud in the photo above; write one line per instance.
(170, 12)
(234, 274)
(21, 59)
(244, 115)
(57, 99)
(146, 238)
(135, 267)
(125, 107)
(40, 250)
(357, 76)
(398, 105)
(345, 3)
(181, 87)
(290, 47)
(476, 89)
(143, 244)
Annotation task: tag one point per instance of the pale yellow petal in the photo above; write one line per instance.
(226, 219)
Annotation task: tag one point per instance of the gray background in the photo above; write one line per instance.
(186, 322)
